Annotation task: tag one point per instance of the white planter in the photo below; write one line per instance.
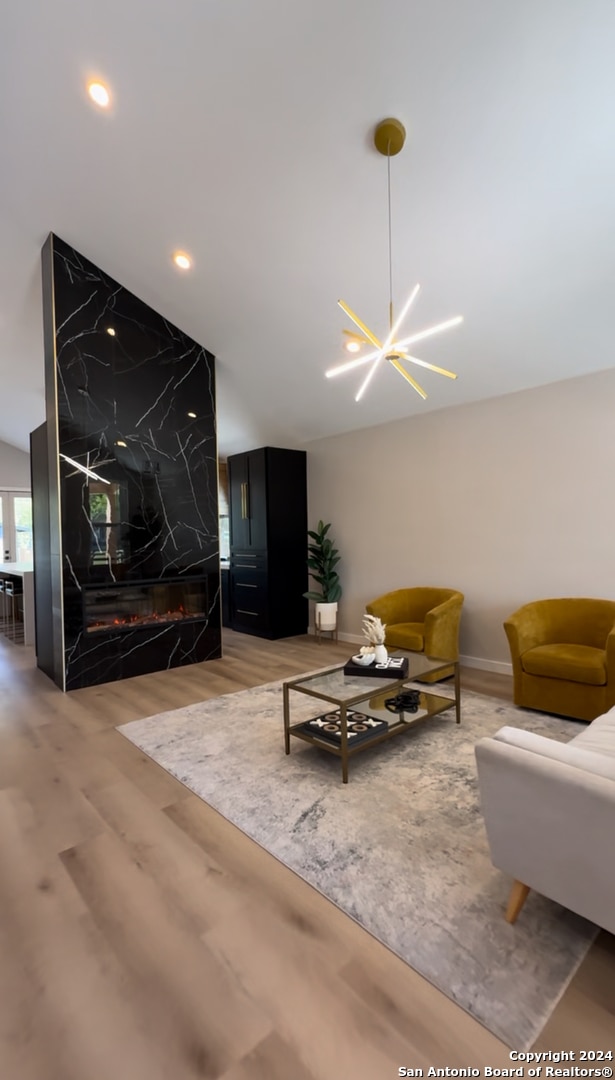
(381, 654)
(326, 616)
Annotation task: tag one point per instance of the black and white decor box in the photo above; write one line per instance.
(124, 484)
(394, 667)
(359, 726)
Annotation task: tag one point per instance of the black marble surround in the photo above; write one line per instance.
(131, 399)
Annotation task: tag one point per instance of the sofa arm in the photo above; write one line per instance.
(549, 825)
(441, 633)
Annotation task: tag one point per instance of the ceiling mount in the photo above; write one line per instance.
(389, 137)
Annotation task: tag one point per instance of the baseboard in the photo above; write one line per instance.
(499, 667)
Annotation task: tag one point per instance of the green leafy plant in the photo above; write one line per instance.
(323, 557)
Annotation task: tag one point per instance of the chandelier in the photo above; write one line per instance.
(389, 138)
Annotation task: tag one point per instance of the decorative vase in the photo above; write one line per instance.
(380, 654)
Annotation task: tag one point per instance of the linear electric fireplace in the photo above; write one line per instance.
(124, 485)
(127, 607)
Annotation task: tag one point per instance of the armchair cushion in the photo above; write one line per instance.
(579, 663)
(406, 635)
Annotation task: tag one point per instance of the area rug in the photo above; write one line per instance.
(401, 848)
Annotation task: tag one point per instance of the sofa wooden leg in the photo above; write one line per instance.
(516, 900)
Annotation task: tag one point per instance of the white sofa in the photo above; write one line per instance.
(549, 810)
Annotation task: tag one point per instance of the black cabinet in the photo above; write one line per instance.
(268, 524)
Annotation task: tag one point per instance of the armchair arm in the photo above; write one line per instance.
(442, 628)
(549, 825)
(610, 658)
(527, 627)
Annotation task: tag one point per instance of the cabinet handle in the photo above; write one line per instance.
(243, 566)
(240, 611)
(244, 585)
(245, 503)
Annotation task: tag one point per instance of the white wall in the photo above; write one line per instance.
(508, 500)
(14, 468)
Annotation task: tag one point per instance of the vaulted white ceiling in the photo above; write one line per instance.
(241, 132)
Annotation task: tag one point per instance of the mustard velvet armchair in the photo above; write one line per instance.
(422, 620)
(563, 656)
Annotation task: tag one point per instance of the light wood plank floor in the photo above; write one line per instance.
(143, 936)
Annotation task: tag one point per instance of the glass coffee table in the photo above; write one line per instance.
(355, 716)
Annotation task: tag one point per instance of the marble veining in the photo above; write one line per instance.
(135, 415)
(401, 848)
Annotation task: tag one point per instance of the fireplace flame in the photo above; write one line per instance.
(152, 618)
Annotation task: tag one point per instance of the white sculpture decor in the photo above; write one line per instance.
(374, 631)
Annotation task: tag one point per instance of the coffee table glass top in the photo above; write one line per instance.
(341, 689)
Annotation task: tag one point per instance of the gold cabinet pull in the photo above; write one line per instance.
(244, 501)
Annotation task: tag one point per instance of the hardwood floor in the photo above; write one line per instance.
(143, 936)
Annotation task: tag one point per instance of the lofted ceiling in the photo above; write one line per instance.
(241, 132)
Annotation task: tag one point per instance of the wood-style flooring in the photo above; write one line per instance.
(144, 937)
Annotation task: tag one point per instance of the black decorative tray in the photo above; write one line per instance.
(396, 667)
(360, 727)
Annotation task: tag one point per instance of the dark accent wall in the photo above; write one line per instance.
(121, 385)
(39, 481)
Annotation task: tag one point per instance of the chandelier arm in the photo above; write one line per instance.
(341, 369)
(432, 367)
(394, 328)
(356, 320)
(368, 378)
(356, 337)
(402, 371)
(422, 334)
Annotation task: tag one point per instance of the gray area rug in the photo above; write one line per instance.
(401, 848)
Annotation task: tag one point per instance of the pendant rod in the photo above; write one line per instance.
(390, 238)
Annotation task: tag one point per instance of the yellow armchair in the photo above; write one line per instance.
(563, 656)
(422, 620)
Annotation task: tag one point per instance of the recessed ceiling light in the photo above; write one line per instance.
(120, 442)
(99, 94)
(111, 331)
(192, 415)
(182, 260)
(352, 346)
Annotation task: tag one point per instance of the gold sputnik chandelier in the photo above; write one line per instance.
(389, 138)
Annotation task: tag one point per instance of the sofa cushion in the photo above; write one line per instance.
(576, 663)
(408, 635)
(599, 736)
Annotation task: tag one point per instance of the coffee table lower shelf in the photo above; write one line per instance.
(430, 705)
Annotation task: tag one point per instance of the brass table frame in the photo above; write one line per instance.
(435, 704)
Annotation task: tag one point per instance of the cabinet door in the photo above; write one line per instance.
(238, 492)
(257, 499)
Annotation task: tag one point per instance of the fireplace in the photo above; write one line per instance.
(124, 485)
(132, 605)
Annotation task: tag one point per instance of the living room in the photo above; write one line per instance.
(149, 927)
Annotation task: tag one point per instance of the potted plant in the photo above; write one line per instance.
(323, 557)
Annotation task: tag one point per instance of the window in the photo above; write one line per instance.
(16, 526)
